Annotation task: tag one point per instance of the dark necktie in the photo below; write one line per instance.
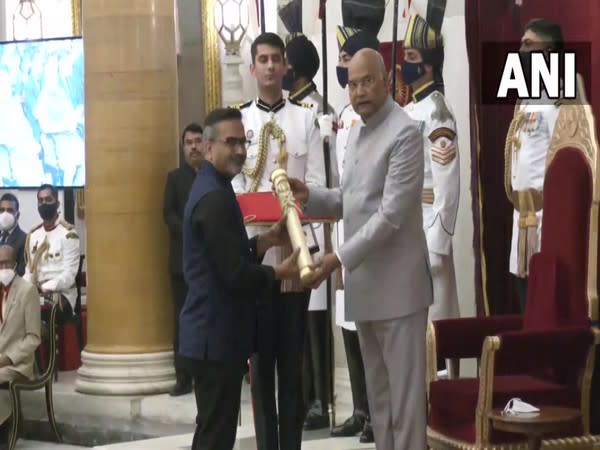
(3, 297)
(4, 237)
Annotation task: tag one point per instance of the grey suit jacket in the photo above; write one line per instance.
(384, 255)
(20, 329)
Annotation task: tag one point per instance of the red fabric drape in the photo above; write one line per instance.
(496, 21)
(489, 21)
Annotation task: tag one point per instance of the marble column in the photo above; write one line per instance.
(131, 144)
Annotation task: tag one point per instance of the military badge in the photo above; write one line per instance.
(443, 147)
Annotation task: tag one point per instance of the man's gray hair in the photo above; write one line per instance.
(210, 133)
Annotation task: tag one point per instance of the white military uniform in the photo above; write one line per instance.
(53, 259)
(531, 129)
(309, 96)
(441, 190)
(303, 145)
(348, 119)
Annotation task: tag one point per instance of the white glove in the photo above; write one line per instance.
(326, 125)
(436, 261)
(49, 286)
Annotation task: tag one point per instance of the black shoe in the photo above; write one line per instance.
(315, 421)
(182, 387)
(367, 437)
(351, 427)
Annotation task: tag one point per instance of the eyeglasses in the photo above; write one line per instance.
(366, 83)
(197, 140)
(232, 142)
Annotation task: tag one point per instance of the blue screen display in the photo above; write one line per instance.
(42, 132)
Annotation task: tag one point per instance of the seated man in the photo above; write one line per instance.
(52, 254)
(19, 326)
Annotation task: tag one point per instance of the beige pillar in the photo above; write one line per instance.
(131, 143)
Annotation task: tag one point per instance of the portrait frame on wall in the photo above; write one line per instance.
(76, 30)
(76, 17)
(210, 56)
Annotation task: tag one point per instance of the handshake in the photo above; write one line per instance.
(313, 274)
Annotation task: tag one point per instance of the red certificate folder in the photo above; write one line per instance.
(262, 208)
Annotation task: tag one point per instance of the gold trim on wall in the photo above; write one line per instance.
(210, 56)
(76, 17)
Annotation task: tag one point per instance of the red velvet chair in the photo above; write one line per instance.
(546, 356)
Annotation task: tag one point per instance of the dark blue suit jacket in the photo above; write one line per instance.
(218, 319)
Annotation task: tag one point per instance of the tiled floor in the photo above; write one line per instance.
(176, 415)
(183, 442)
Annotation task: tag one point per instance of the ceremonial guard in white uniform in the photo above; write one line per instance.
(301, 134)
(421, 69)
(527, 144)
(303, 63)
(52, 255)
(289, 129)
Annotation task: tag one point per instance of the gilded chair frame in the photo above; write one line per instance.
(575, 128)
(44, 380)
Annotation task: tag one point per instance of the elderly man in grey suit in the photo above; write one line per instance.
(20, 326)
(385, 258)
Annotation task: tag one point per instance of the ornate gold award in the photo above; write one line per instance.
(294, 226)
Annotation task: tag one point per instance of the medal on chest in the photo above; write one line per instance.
(532, 122)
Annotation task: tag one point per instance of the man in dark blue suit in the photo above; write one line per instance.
(225, 280)
(178, 187)
(10, 232)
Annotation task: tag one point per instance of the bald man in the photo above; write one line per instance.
(385, 260)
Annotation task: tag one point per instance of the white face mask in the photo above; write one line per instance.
(7, 221)
(6, 276)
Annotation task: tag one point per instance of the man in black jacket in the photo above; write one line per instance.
(179, 183)
(218, 319)
(10, 232)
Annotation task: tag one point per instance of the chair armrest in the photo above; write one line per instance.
(463, 338)
(558, 349)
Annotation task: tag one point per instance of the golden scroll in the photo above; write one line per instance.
(294, 226)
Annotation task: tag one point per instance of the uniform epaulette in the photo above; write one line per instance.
(66, 224)
(298, 103)
(441, 111)
(36, 227)
(241, 105)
